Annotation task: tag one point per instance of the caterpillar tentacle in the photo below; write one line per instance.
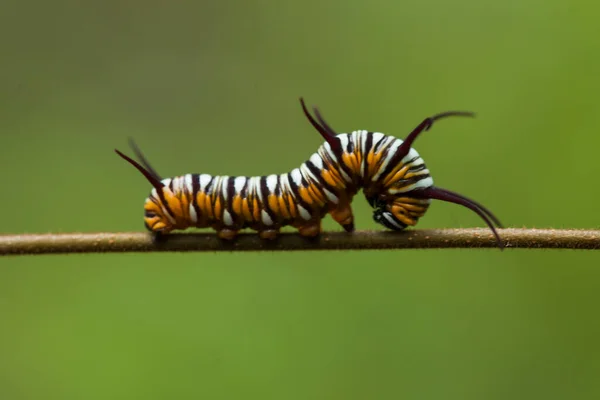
(391, 173)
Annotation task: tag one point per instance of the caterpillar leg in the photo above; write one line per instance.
(311, 229)
(268, 234)
(227, 234)
(342, 214)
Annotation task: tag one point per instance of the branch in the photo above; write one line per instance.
(360, 240)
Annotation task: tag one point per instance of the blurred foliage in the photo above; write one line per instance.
(212, 87)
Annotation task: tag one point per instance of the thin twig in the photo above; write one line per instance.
(360, 240)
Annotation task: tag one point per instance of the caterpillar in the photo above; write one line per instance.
(392, 175)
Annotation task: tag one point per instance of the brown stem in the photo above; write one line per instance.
(119, 242)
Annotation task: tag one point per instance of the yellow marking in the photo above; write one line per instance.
(414, 207)
(246, 210)
(200, 203)
(397, 173)
(150, 206)
(282, 207)
(218, 208)
(173, 203)
(255, 209)
(327, 177)
(359, 157)
(305, 195)
(409, 200)
(209, 207)
(273, 203)
(236, 205)
(400, 214)
(152, 221)
(354, 163)
(374, 160)
(158, 226)
(347, 159)
(316, 194)
(185, 206)
(292, 207)
(337, 176)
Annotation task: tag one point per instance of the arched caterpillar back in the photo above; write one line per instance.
(394, 179)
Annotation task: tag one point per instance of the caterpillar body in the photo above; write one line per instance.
(392, 175)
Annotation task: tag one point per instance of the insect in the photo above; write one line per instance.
(392, 175)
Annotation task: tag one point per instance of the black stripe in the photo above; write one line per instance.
(264, 189)
(366, 150)
(379, 143)
(393, 163)
(208, 188)
(350, 146)
(278, 186)
(417, 168)
(317, 173)
(195, 190)
(163, 201)
(338, 162)
(294, 189)
(249, 196)
(230, 195)
(407, 182)
(149, 214)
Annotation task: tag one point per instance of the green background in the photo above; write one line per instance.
(213, 87)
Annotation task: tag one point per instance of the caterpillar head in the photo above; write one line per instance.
(162, 208)
(399, 211)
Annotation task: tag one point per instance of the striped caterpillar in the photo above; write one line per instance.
(392, 175)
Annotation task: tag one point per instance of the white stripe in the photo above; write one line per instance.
(344, 139)
(317, 160)
(227, 218)
(266, 219)
(344, 175)
(297, 177)
(330, 153)
(377, 136)
(423, 183)
(166, 181)
(332, 197)
(224, 184)
(239, 183)
(188, 183)
(204, 180)
(255, 187)
(411, 154)
(193, 215)
(285, 183)
(391, 220)
(308, 173)
(271, 183)
(304, 212)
